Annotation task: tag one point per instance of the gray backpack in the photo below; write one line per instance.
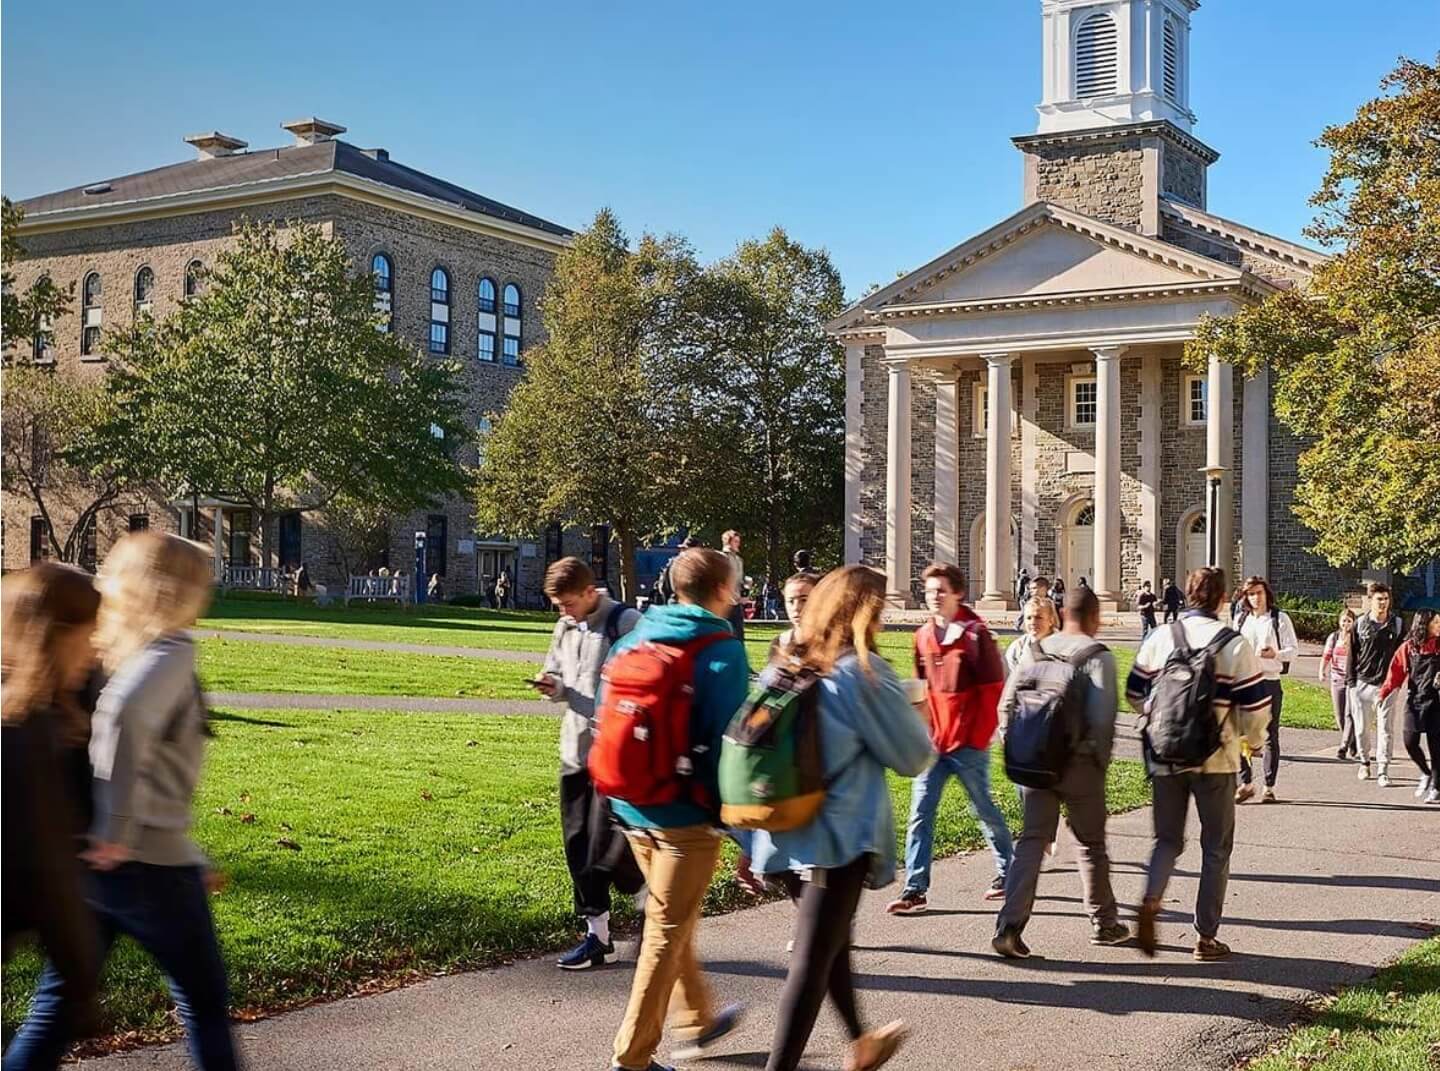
(1179, 727)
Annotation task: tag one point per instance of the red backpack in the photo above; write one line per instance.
(642, 753)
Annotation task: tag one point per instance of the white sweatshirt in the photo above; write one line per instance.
(1261, 631)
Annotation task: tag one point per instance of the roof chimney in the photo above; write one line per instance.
(210, 145)
(312, 131)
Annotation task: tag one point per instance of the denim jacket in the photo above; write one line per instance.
(866, 726)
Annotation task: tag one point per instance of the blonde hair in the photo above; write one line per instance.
(843, 614)
(1044, 608)
(152, 583)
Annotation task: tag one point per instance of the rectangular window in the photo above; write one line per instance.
(43, 350)
(600, 553)
(382, 306)
(1084, 402)
(437, 538)
(980, 411)
(39, 539)
(512, 350)
(89, 552)
(487, 345)
(554, 543)
(138, 522)
(90, 341)
(1197, 399)
(439, 338)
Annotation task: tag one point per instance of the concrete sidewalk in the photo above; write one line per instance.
(405, 704)
(288, 640)
(1338, 878)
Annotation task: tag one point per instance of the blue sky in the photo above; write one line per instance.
(877, 131)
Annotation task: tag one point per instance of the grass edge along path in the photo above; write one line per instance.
(1388, 1023)
(366, 851)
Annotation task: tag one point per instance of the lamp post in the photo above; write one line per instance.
(1213, 473)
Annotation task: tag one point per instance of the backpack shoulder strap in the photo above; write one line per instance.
(1177, 635)
(612, 622)
(1220, 639)
(1080, 657)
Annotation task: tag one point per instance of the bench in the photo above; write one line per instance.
(379, 589)
(253, 578)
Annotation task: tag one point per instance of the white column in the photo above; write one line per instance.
(219, 544)
(1106, 580)
(1220, 456)
(999, 588)
(1255, 490)
(1150, 380)
(1029, 465)
(854, 449)
(897, 487)
(947, 468)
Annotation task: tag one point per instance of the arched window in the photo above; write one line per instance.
(1097, 57)
(439, 311)
(511, 352)
(1172, 62)
(42, 351)
(487, 324)
(1197, 526)
(193, 272)
(1085, 518)
(144, 290)
(384, 277)
(91, 315)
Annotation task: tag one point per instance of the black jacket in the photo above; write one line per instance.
(1372, 647)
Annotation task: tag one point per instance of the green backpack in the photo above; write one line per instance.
(772, 774)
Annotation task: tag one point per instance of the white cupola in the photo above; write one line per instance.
(1111, 62)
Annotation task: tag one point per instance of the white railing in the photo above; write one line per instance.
(253, 578)
(390, 588)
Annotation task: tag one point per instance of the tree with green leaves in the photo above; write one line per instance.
(28, 316)
(277, 386)
(1355, 357)
(589, 435)
(768, 391)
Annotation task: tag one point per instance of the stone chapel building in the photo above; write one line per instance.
(1020, 400)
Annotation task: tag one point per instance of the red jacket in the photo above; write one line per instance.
(965, 676)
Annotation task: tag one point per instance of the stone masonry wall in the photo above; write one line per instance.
(876, 419)
(1182, 456)
(1100, 180)
(1182, 173)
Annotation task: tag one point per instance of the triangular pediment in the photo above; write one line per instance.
(1043, 250)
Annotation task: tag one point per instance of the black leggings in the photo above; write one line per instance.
(820, 963)
(1412, 745)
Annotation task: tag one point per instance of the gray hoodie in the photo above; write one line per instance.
(578, 650)
(147, 744)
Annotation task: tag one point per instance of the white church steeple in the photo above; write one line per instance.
(1111, 62)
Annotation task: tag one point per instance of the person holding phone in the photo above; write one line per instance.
(595, 852)
(1272, 636)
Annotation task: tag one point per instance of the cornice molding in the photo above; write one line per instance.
(1162, 128)
(1212, 226)
(1250, 286)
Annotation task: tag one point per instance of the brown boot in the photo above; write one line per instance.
(1145, 936)
(1207, 950)
(874, 1048)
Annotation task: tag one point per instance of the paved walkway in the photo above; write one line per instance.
(1323, 889)
(531, 657)
(402, 703)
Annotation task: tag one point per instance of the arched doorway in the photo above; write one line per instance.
(977, 553)
(1076, 557)
(1192, 544)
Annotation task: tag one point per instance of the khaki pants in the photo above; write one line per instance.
(678, 865)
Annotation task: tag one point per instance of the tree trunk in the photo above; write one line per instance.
(773, 550)
(627, 562)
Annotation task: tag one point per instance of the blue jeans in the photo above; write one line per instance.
(166, 910)
(972, 767)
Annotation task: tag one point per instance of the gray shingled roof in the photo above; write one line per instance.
(269, 165)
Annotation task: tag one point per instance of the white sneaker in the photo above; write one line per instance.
(1363, 773)
(1433, 796)
(1423, 788)
(1383, 780)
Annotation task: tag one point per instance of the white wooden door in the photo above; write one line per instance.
(1079, 555)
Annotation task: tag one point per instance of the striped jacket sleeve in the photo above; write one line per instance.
(1148, 661)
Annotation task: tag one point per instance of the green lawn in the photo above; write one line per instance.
(249, 666)
(420, 842)
(1391, 1023)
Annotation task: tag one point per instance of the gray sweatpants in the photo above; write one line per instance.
(1215, 802)
(1082, 790)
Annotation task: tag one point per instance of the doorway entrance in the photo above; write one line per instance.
(1077, 544)
(1194, 545)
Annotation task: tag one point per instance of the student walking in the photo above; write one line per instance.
(1378, 635)
(1416, 668)
(670, 820)
(866, 726)
(146, 747)
(596, 854)
(1087, 679)
(49, 652)
(1269, 631)
(1172, 600)
(1192, 748)
(730, 544)
(1037, 620)
(1333, 666)
(956, 657)
(798, 589)
(1145, 602)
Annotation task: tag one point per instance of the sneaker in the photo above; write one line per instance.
(1244, 793)
(655, 1065)
(1009, 945)
(1363, 773)
(1208, 949)
(909, 903)
(591, 952)
(996, 890)
(790, 946)
(1117, 933)
(725, 1021)
(1383, 780)
(1423, 788)
(1269, 796)
(1342, 753)
(1145, 936)
(874, 1048)
(1433, 796)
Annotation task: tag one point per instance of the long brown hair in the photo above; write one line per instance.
(843, 615)
(43, 606)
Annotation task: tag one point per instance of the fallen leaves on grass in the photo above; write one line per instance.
(426, 794)
(286, 842)
(248, 818)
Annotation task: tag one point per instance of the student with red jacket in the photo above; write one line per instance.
(957, 658)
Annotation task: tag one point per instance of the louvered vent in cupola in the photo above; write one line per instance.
(1096, 57)
(1172, 63)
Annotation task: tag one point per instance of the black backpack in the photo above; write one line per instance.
(1179, 726)
(1047, 723)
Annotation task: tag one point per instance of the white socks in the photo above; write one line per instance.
(599, 925)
